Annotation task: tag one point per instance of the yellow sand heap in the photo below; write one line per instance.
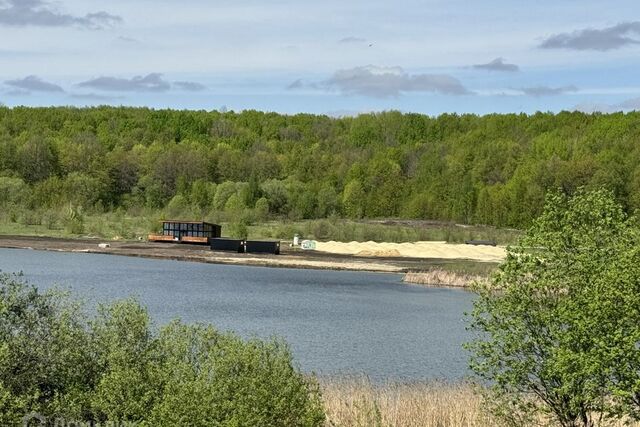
(441, 250)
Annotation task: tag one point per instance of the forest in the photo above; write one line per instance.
(493, 169)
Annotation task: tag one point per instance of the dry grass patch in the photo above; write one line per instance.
(360, 403)
(438, 277)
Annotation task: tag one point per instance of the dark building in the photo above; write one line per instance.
(227, 244)
(187, 232)
(260, 246)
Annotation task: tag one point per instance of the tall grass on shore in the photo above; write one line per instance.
(359, 403)
(439, 277)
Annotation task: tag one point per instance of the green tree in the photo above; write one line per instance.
(37, 160)
(276, 193)
(353, 199)
(223, 192)
(83, 190)
(262, 209)
(201, 193)
(327, 201)
(127, 388)
(177, 206)
(235, 207)
(559, 323)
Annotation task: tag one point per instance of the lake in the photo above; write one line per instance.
(336, 322)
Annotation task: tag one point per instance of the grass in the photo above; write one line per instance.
(114, 225)
(360, 403)
(137, 223)
(381, 231)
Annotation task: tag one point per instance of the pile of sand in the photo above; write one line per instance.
(441, 250)
(381, 253)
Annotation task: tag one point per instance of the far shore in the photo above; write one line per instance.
(427, 271)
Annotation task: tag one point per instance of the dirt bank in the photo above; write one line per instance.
(289, 258)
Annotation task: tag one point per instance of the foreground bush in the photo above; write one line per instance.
(61, 364)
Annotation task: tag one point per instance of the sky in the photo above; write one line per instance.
(331, 57)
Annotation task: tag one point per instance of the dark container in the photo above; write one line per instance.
(480, 242)
(223, 244)
(263, 247)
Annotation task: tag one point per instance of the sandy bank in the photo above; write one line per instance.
(440, 250)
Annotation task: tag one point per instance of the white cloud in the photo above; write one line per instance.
(42, 13)
(35, 84)
(604, 39)
(548, 90)
(497, 64)
(383, 82)
(152, 82)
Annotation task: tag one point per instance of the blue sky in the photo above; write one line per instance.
(331, 57)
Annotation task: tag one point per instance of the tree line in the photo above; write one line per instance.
(493, 169)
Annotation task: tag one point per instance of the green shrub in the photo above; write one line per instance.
(219, 379)
(12, 190)
(31, 217)
(115, 367)
(50, 219)
(74, 220)
(238, 229)
(261, 209)
(177, 206)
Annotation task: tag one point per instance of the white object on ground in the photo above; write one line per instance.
(308, 244)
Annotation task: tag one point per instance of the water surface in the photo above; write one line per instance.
(336, 322)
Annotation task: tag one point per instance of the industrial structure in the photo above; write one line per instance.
(248, 246)
(204, 233)
(198, 232)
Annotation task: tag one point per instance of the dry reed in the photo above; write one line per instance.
(359, 403)
(437, 277)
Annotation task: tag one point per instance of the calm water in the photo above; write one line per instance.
(335, 322)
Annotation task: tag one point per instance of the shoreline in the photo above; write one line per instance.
(289, 257)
